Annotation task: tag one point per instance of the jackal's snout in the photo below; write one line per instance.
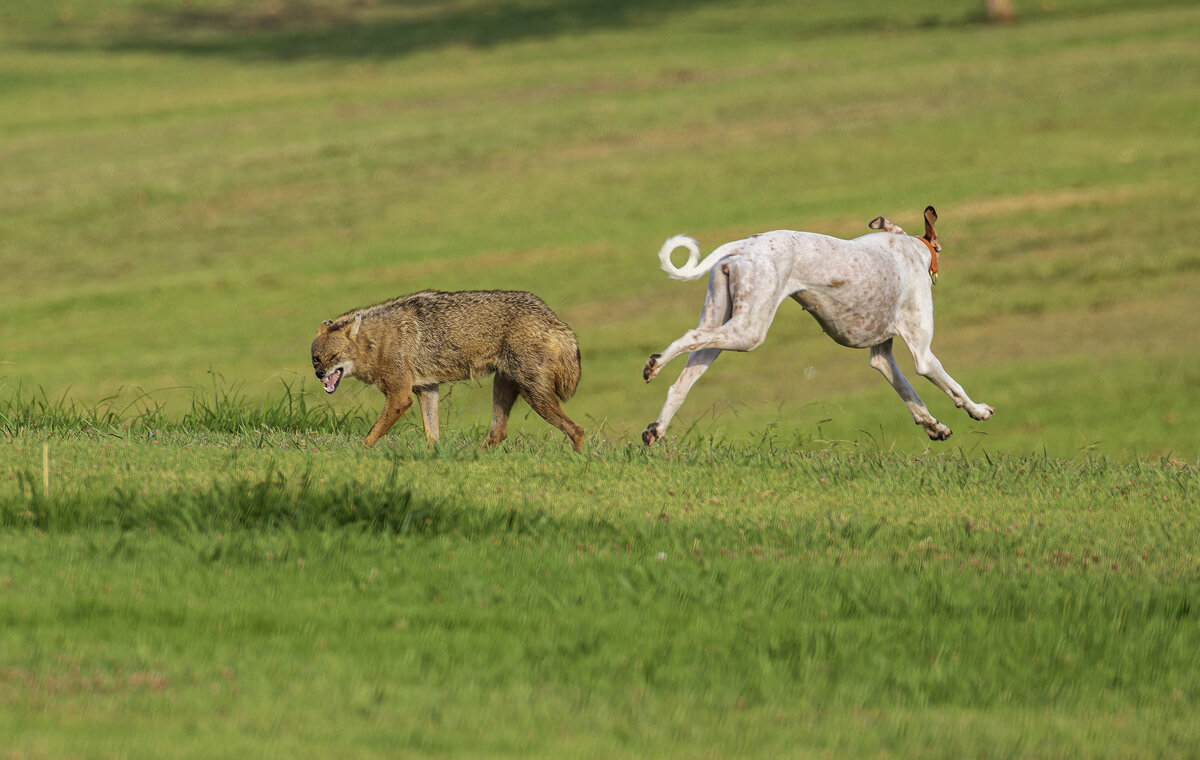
(329, 379)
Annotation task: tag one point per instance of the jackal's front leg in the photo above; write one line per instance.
(427, 399)
(393, 406)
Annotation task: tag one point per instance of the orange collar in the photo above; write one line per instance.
(933, 272)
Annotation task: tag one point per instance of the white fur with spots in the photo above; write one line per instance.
(863, 292)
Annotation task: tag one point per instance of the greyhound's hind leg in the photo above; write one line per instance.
(698, 362)
(746, 295)
(718, 308)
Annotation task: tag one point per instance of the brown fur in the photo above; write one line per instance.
(411, 344)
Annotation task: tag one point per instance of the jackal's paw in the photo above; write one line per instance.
(652, 367)
(980, 412)
(650, 434)
(937, 431)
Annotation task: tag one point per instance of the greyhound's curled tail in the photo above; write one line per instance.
(694, 268)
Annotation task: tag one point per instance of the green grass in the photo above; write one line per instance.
(269, 590)
(211, 565)
(194, 187)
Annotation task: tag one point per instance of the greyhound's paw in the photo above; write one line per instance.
(937, 431)
(980, 412)
(651, 368)
(650, 434)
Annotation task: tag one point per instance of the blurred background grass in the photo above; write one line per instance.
(188, 189)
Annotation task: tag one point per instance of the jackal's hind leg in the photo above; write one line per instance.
(504, 395)
(545, 403)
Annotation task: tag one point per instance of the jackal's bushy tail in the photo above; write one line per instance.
(567, 367)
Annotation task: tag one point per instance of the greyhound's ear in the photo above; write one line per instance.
(879, 223)
(353, 333)
(930, 232)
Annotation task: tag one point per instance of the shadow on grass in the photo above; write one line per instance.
(293, 29)
(290, 29)
(274, 502)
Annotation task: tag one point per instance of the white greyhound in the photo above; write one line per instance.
(863, 292)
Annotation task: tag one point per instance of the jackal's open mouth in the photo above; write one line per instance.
(332, 379)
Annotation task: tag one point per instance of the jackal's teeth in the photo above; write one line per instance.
(331, 380)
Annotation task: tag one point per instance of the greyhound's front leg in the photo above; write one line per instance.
(394, 405)
(885, 363)
(931, 369)
(917, 331)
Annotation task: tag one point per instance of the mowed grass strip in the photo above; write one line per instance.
(222, 179)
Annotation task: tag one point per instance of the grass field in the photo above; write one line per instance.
(195, 187)
(197, 559)
(281, 594)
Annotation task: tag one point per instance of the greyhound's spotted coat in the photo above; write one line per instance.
(864, 292)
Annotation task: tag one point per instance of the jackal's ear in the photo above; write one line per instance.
(324, 328)
(354, 327)
(930, 232)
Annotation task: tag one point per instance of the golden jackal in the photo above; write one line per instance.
(410, 344)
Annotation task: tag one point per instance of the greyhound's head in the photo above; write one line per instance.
(880, 223)
(333, 351)
(930, 237)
